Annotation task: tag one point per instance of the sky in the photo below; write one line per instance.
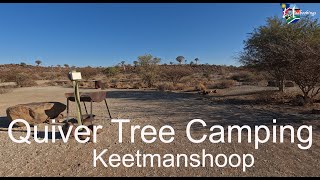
(104, 34)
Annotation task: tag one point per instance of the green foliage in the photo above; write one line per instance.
(23, 64)
(175, 74)
(286, 51)
(111, 71)
(196, 60)
(180, 59)
(38, 62)
(148, 69)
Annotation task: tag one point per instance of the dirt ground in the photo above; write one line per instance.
(156, 108)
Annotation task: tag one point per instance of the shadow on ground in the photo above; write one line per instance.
(183, 107)
(5, 122)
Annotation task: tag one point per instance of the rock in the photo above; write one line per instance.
(289, 84)
(36, 113)
(205, 92)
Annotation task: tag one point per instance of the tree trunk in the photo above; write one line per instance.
(281, 85)
(306, 98)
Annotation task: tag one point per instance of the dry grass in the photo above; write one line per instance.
(222, 84)
(165, 87)
(5, 90)
(138, 85)
(200, 87)
(269, 97)
(23, 80)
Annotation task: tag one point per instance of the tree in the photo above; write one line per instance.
(175, 75)
(303, 51)
(148, 68)
(23, 64)
(123, 65)
(196, 60)
(180, 59)
(287, 51)
(38, 62)
(111, 71)
(263, 50)
(66, 65)
(171, 63)
(135, 63)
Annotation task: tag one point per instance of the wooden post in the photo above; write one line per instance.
(97, 84)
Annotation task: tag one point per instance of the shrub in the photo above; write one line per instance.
(275, 97)
(175, 74)
(111, 71)
(207, 74)
(200, 87)
(180, 87)
(165, 86)
(243, 77)
(23, 64)
(24, 80)
(224, 84)
(138, 85)
(148, 69)
(51, 83)
(88, 72)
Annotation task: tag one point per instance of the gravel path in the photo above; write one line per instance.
(156, 109)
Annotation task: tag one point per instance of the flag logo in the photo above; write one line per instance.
(290, 12)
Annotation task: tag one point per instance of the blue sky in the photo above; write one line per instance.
(106, 34)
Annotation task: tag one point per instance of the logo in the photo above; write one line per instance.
(290, 12)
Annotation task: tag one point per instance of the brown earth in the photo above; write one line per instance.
(155, 108)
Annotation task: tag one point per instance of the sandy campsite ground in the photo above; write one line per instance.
(157, 109)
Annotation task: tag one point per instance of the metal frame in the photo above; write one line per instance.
(91, 109)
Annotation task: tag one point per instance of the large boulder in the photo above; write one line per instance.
(35, 113)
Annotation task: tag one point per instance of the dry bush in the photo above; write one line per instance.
(208, 74)
(111, 71)
(175, 75)
(138, 85)
(66, 84)
(51, 83)
(117, 85)
(224, 84)
(24, 80)
(48, 75)
(275, 97)
(180, 87)
(200, 87)
(127, 86)
(8, 76)
(165, 86)
(243, 77)
(88, 72)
